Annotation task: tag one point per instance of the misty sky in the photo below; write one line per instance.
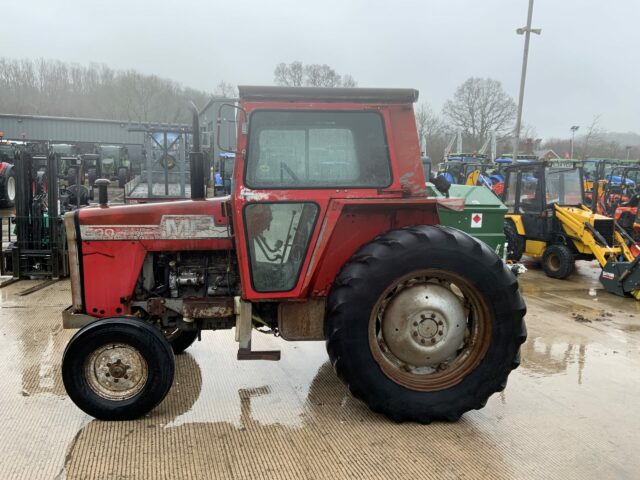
(585, 62)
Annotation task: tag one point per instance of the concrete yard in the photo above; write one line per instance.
(569, 411)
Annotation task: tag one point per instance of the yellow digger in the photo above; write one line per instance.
(547, 220)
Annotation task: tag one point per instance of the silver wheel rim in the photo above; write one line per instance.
(429, 330)
(11, 189)
(116, 371)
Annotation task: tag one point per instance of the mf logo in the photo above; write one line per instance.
(190, 226)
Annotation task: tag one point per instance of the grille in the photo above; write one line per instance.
(605, 228)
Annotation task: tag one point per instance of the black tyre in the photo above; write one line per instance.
(515, 242)
(558, 261)
(117, 368)
(123, 176)
(8, 198)
(75, 191)
(180, 340)
(72, 176)
(92, 176)
(425, 323)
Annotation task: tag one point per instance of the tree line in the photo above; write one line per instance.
(51, 87)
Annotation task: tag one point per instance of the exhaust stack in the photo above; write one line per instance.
(196, 159)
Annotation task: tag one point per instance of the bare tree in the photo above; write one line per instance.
(478, 107)
(226, 90)
(348, 81)
(291, 75)
(592, 137)
(296, 74)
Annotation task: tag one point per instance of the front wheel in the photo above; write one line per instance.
(425, 323)
(117, 368)
(558, 261)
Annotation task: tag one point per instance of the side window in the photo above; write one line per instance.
(530, 195)
(317, 149)
(278, 237)
(510, 198)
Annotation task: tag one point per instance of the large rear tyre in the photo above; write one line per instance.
(8, 198)
(558, 261)
(425, 323)
(123, 175)
(92, 176)
(117, 368)
(515, 242)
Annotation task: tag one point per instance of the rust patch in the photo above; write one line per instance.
(207, 307)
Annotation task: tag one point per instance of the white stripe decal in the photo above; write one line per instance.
(172, 227)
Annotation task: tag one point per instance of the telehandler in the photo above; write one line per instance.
(328, 234)
(547, 219)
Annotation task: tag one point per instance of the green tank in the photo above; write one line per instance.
(482, 217)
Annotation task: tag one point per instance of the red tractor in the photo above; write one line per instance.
(328, 234)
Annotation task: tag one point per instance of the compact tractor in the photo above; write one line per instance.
(327, 234)
(547, 219)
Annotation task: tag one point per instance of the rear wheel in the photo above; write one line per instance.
(9, 185)
(117, 368)
(179, 340)
(92, 176)
(558, 261)
(425, 323)
(122, 177)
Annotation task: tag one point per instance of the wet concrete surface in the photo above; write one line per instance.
(569, 411)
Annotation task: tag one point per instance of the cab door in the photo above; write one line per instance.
(295, 161)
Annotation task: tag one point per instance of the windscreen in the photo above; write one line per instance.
(563, 186)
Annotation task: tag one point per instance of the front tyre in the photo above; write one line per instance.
(425, 323)
(117, 368)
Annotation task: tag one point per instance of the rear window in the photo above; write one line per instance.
(311, 149)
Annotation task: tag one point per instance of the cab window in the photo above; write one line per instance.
(311, 149)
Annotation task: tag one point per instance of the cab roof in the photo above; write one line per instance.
(322, 94)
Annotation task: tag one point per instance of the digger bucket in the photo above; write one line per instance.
(622, 278)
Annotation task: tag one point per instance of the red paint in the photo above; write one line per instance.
(347, 218)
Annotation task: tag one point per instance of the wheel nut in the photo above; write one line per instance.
(423, 316)
(422, 341)
(126, 377)
(115, 380)
(440, 322)
(433, 340)
(440, 332)
(415, 334)
(415, 324)
(107, 375)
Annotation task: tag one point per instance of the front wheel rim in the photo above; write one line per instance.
(116, 371)
(430, 344)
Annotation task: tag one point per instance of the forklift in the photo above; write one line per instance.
(547, 220)
(42, 197)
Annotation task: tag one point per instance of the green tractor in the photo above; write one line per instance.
(114, 164)
(69, 162)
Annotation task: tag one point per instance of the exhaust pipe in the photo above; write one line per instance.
(196, 159)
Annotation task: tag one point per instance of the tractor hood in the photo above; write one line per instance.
(180, 220)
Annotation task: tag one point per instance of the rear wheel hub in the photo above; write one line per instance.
(424, 325)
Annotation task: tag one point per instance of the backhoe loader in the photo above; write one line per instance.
(547, 220)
